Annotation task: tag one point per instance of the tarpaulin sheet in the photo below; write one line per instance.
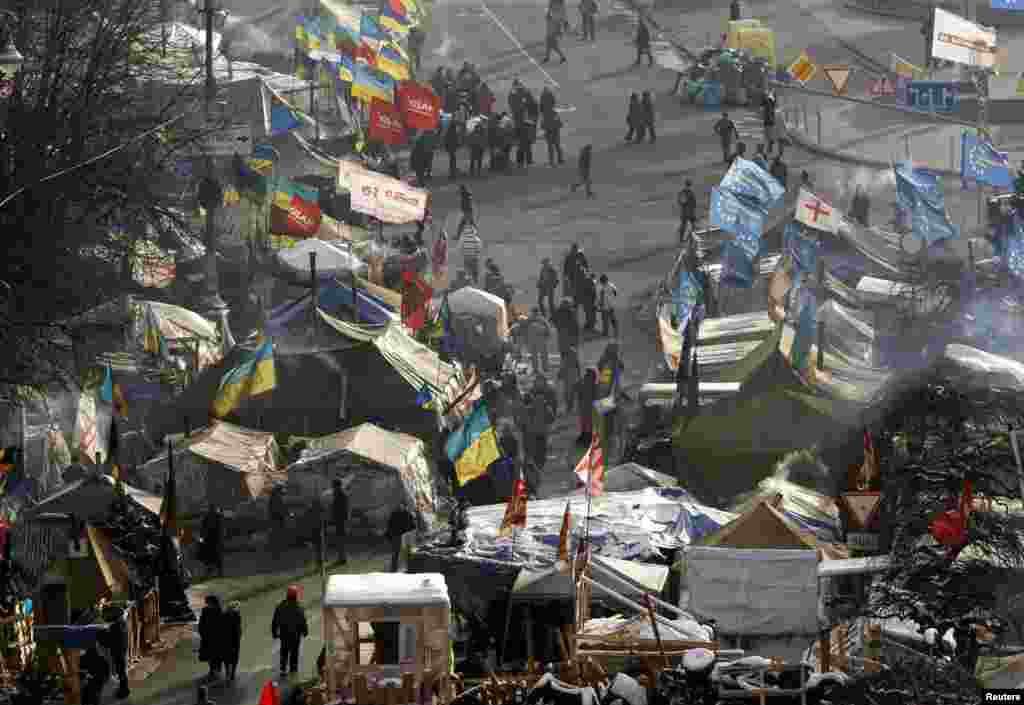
(754, 591)
(623, 525)
(813, 511)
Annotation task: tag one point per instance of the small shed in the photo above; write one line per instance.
(405, 617)
(378, 469)
(224, 464)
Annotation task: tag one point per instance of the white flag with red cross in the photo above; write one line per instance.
(816, 213)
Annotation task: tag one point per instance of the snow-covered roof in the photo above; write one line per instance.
(386, 589)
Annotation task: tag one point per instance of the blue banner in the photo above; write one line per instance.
(933, 96)
(801, 248)
(1014, 5)
(980, 161)
(733, 216)
(752, 183)
(913, 185)
(688, 294)
(712, 94)
(932, 224)
(737, 266)
(1015, 248)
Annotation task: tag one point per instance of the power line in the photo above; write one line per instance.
(91, 160)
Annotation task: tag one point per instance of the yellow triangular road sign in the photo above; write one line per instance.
(803, 69)
(839, 76)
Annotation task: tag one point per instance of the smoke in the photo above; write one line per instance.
(446, 48)
(267, 34)
(873, 181)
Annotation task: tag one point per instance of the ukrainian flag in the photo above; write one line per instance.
(346, 68)
(474, 446)
(395, 22)
(370, 83)
(253, 376)
(391, 61)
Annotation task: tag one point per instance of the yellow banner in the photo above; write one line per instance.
(733, 26)
(758, 42)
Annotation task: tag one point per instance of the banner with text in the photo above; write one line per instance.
(387, 199)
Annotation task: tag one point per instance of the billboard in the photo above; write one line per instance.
(962, 41)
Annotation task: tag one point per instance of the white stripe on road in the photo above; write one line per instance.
(519, 45)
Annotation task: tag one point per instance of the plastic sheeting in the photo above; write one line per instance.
(623, 525)
(330, 260)
(811, 510)
(755, 592)
(481, 304)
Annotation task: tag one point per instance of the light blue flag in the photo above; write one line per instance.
(369, 28)
(803, 249)
(806, 326)
(734, 215)
(752, 183)
(737, 266)
(913, 185)
(932, 224)
(981, 162)
(688, 294)
(1015, 248)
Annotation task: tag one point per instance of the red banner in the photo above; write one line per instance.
(416, 295)
(385, 123)
(420, 105)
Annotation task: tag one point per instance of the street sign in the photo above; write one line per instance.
(803, 69)
(962, 41)
(236, 139)
(883, 87)
(839, 76)
(935, 96)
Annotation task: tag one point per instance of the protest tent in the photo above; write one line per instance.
(331, 260)
(483, 307)
(222, 464)
(377, 467)
(631, 477)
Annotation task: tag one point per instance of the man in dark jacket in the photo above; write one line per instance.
(278, 516)
(584, 171)
(687, 212)
(540, 412)
(588, 294)
(212, 534)
(339, 513)
(573, 266)
(768, 119)
(726, 131)
(554, 31)
(779, 169)
(547, 282)
(588, 9)
(735, 11)
(515, 101)
(643, 43)
(451, 145)
(97, 673)
(547, 101)
(567, 325)
(115, 639)
(290, 626)
(400, 522)
(551, 123)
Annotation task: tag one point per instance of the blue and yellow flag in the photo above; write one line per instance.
(369, 28)
(153, 340)
(474, 446)
(255, 375)
(391, 61)
(424, 397)
(395, 22)
(346, 68)
(370, 83)
(314, 36)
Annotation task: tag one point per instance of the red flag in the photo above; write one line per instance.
(590, 469)
(385, 123)
(416, 295)
(269, 695)
(950, 527)
(515, 511)
(419, 105)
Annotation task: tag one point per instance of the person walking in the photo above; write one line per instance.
(97, 672)
(340, 514)
(588, 11)
(589, 296)
(451, 145)
(555, 25)
(643, 43)
(584, 171)
(524, 142)
(547, 283)
(805, 180)
(634, 118)
(569, 376)
(567, 326)
(547, 101)
(420, 158)
(687, 212)
(551, 123)
(726, 130)
(278, 512)
(647, 116)
(606, 291)
(232, 638)
(516, 105)
(539, 413)
(290, 626)
(573, 266)
(467, 209)
(768, 118)
(734, 11)
(538, 333)
(212, 534)
(400, 522)
(477, 139)
(779, 169)
(472, 247)
(586, 394)
(211, 636)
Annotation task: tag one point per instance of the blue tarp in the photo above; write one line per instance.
(70, 636)
(333, 298)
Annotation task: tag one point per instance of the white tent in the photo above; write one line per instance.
(330, 259)
(479, 304)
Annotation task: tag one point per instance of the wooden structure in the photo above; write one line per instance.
(405, 616)
(19, 641)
